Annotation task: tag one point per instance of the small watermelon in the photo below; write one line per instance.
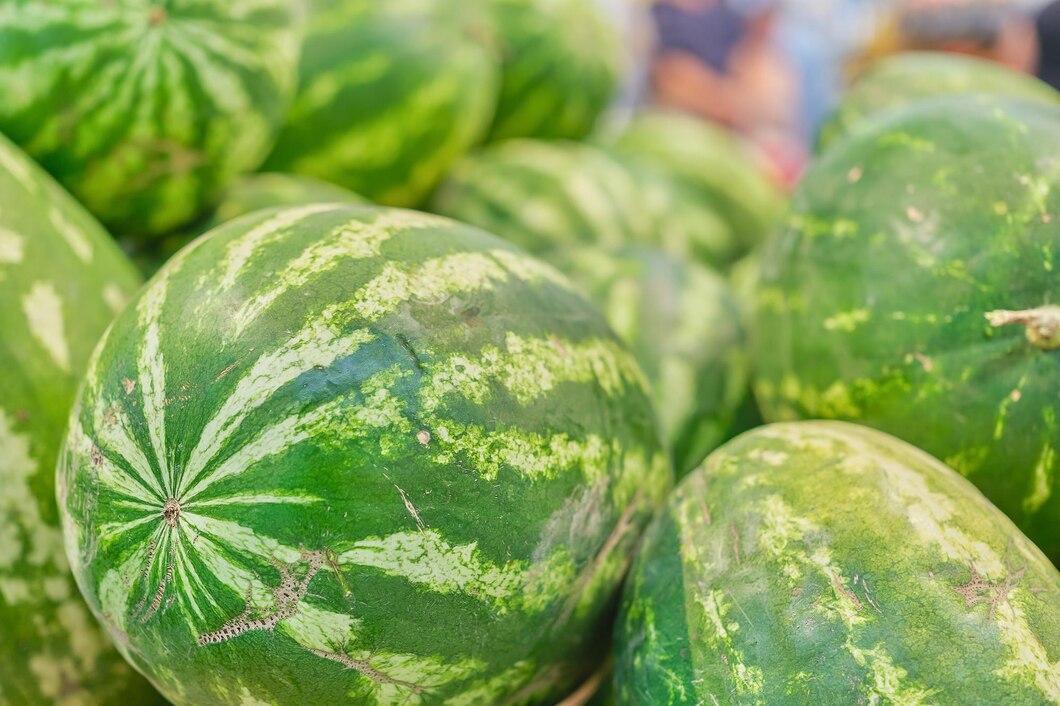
(370, 455)
(146, 111)
(883, 299)
(62, 280)
(826, 563)
(391, 94)
(902, 79)
(545, 195)
(561, 66)
(685, 327)
(715, 167)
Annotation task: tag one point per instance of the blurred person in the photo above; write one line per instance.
(1048, 28)
(721, 61)
(998, 30)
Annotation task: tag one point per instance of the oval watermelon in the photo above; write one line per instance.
(713, 166)
(685, 328)
(391, 94)
(146, 111)
(369, 455)
(62, 280)
(825, 563)
(543, 195)
(874, 299)
(561, 66)
(902, 79)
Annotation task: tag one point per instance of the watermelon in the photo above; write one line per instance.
(391, 94)
(902, 79)
(545, 195)
(349, 454)
(562, 60)
(827, 563)
(62, 280)
(146, 111)
(877, 300)
(712, 164)
(685, 327)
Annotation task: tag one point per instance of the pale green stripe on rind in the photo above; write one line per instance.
(43, 309)
(152, 374)
(316, 345)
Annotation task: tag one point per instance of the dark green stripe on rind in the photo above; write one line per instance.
(561, 65)
(61, 282)
(146, 113)
(390, 95)
(897, 81)
(874, 299)
(831, 564)
(418, 437)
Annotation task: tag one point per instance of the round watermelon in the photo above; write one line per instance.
(62, 280)
(391, 94)
(880, 299)
(685, 328)
(712, 164)
(146, 111)
(344, 454)
(543, 195)
(902, 79)
(826, 563)
(562, 60)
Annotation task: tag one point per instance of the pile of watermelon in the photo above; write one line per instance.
(430, 332)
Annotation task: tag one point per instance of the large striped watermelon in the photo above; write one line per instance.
(686, 329)
(902, 79)
(342, 454)
(391, 94)
(829, 564)
(713, 165)
(62, 280)
(875, 298)
(543, 195)
(561, 65)
(146, 110)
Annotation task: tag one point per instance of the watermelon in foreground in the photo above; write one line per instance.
(884, 299)
(62, 280)
(369, 455)
(900, 80)
(545, 195)
(686, 329)
(391, 94)
(146, 111)
(561, 65)
(825, 563)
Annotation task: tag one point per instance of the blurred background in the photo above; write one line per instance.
(772, 70)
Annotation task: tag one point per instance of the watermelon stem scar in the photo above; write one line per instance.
(1042, 324)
